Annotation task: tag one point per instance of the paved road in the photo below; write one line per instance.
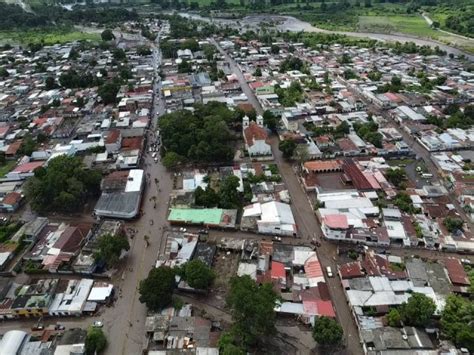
(126, 339)
(306, 222)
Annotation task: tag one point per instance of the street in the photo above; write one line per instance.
(306, 221)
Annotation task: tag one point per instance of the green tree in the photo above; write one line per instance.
(96, 341)
(229, 196)
(110, 248)
(197, 274)
(257, 72)
(457, 321)
(171, 160)
(4, 73)
(28, 146)
(287, 147)
(252, 308)
(453, 224)
(206, 198)
(50, 83)
(108, 92)
(394, 318)
(107, 35)
(227, 345)
(119, 54)
(270, 120)
(327, 332)
(396, 176)
(63, 186)
(156, 291)
(275, 49)
(418, 311)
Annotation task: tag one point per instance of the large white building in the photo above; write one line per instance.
(271, 218)
(256, 138)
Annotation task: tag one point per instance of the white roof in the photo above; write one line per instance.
(247, 269)
(301, 254)
(277, 212)
(100, 293)
(11, 342)
(290, 307)
(69, 349)
(4, 257)
(134, 182)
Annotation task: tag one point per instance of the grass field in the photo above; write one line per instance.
(46, 37)
(414, 25)
(5, 168)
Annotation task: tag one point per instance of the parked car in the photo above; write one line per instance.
(329, 271)
(98, 324)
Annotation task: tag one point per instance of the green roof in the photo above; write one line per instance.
(196, 216)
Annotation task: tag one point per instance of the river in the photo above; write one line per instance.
(289, 23)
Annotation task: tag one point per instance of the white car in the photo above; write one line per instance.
(98, 324)
(154, 155)
(329, 271)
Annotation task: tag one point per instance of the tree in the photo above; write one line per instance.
(327, 332)
(418, 311)
(28, 146)
(227, 345)
(287, 147)
(110, 248)
(275, 49)
(270, 120)
(95, 342)
(119, 54)
(63, 186)
(394, 318)
(4, 73)
(107, 35)
(396, 176)
(257, 72)
(252, 307)
(301, 154)
(50, 83)
(453, 224)
(228, 192)
(197, 274)
(206, 198)
(171, 160)
(108, 92)
(457, 321)
(156, 291)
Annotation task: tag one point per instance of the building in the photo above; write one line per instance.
(121, 194)
(207, 217)
(269, 218)
(256, 138)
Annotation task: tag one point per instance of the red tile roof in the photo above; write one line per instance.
(13, 148)
(278, 270)
(112, 136)
(11, 198)
(254, 133)
(351, 270)
(313, 268)
(132, 143)
(323, 165)
(456, 272)
(325, 308)
(336, 221)
(28, 167)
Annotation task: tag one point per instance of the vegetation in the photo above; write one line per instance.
(270, 121)
(252, 308)
(369, 132)
(96, 341)
(197, 274)
(418, 311)
(228, 195)
(290, 96)
(404, 203)
(107, 35)
(396, 176)
(457, 321)
(201, 137)
(156, 291)
(110, 248)
(287, 147)
(394, 318)
(453, 224)
(327, 332)
(63, 186)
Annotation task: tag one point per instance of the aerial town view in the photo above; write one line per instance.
(236, 177)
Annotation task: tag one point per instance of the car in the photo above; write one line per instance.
(329, 271)
(59, 327)
(466, 261)
(98, 324)
(38, 326)
(154, 155)
(276, 239)
(156, 160)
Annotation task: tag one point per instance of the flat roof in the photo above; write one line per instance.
(196, 216)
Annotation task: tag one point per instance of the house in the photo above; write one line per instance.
(72, 300)
(269, 218)
(113, 141)
(256, 138)
(11, 202)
